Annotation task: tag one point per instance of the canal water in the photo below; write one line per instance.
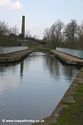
(33, 88)
(12, 49)
(74, 52)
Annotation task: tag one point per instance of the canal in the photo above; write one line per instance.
(33, 88)
(4, 50)
(73, 52)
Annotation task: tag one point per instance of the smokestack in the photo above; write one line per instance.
(23, 27)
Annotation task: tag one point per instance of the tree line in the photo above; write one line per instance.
(5, 30)
(8, 35)
(61, 35)
(58, 35)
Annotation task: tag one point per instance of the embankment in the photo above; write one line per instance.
(67, 58)
(19, 55)
(15, 56)
(70, 109)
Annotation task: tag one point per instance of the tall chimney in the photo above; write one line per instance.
(23, 27)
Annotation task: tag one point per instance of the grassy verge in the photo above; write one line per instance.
(40, 49)
(73, 112)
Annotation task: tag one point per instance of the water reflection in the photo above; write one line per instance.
(56, 69)
(21, 68)
(32, 88)
(52, 65)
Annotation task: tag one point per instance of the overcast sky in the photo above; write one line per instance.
(40, 14)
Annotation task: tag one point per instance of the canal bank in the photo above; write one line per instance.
(69, 111)
(19, 55)
(64, 57)
(15, 56)
(67, 58)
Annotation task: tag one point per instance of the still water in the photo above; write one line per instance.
(74, 52)
(33, 88)
(12, 49)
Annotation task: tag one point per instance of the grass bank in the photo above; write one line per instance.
(72, 113)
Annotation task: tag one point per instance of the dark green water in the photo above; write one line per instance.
(33, 88)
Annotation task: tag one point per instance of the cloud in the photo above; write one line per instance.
(3, 2)
(13, 5)
(16, 5)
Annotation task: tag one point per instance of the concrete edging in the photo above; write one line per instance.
(15, 56)
(67, 59)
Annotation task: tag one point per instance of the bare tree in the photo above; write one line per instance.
(80, 36)
(13, 30)
(4, 30)
(70, 32)
(57, 32)
(54, 34)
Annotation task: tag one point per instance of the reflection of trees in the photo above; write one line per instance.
(69, 71)
(21, 68)
(34, 56)
(11, 67)
(56, 68)
(52, 64)
(5, 67)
